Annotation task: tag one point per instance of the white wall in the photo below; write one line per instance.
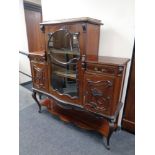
(117, 33)
(24, 64)
(23, 45)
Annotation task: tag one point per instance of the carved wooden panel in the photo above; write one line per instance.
(38, 59)
(98, 93)
(39, 76)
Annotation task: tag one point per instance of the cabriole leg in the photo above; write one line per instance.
(35, 98)
(106, 140)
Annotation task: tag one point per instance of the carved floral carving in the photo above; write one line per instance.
(39, 76)
(97, 100)
(37, 59)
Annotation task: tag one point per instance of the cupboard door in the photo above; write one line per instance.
(40, 76)
(98, 93)
(64, 55)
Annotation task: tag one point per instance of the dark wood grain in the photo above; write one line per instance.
(82, 119)
(103, 87)
(100, 80)
(34, 35)
(92, 39)
(39, 75)
(107, 60)
(128, 121)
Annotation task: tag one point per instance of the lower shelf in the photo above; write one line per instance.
(82, 119)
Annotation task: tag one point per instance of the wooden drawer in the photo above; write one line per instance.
(99, 92)
(98, 68)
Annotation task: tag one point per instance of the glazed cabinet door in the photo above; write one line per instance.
(40, 75)
(99, 91)
(64, 60)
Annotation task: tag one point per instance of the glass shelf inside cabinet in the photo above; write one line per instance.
(63, 49)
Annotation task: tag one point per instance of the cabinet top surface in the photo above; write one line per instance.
(73, 20)
(94, 59)
(107, 60)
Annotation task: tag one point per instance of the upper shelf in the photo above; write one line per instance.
(68, 74)
(73, 20)
(58, 51)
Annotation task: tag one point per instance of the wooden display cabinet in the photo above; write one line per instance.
(81, 87)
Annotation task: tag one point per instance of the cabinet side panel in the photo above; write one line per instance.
(92, 40)
(77, 27)
(116, 95)
(119, 83)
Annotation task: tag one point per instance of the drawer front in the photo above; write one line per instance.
(98, 93)
(101, 68)
(40, 76)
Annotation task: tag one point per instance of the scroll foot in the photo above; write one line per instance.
(106, 140)
(106, 143)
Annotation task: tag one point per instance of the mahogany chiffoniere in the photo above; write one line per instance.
(80, 86)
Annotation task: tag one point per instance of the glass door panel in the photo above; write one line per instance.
(64, 55)
(63, 79)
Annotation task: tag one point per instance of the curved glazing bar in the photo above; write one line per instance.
(64, 54)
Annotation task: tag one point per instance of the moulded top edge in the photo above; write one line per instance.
(72, 20)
